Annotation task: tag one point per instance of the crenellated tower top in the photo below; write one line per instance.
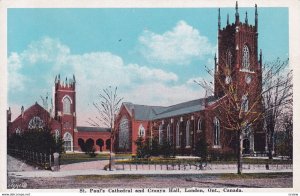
(67, 84)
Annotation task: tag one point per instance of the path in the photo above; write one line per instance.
(18, 168)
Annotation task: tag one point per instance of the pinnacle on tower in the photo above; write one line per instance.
(237, 16)
(246, 19)
(227, 19)
(256, 17)
(215, 62)
(260, 58)
(219, 20)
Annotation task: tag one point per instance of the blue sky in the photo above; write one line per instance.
(152, 55)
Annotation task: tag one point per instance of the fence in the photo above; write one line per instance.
(40, 159)
(199, 166)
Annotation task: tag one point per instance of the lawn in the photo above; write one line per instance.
(82, 157)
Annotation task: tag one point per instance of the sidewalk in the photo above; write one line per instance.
(97, 168)
(44, 173)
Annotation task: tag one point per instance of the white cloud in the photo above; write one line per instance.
(149, 94)
(33, 70)
(45, 50)
(151, 73)
(16, 80)
(178, 46)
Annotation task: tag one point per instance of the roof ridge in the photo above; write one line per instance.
(36, 103)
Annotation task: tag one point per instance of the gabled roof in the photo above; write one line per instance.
(93, 129)
(145, 112)
(38, 109)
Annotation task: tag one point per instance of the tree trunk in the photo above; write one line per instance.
(270, 144)
(239, 153)
(111, 156)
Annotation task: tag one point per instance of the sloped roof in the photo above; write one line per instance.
(38, 109)
(145, 112)
(93, 129)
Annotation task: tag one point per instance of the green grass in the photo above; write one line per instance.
(220, 176)
(106, 177)
(256, 175)
(82, 157)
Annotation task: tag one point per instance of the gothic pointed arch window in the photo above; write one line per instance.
(246, 58)
(169, 136)
(199, 124)
(124, 133)
(228, 59)
(141, 131)
(36, 123)
(187, 134)
(245, 103)
(178, 140)
(68, 142)
(160, 134)
(67, 105)
(216, 132)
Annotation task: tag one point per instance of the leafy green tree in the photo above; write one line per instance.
(140, 150)
(155, 149)
(201, 149)
(166, 149)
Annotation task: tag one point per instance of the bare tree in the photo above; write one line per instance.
(244, 105)
(239, 107)
(277, 98)
(107, 108)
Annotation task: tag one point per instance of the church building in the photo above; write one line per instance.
(182, 124)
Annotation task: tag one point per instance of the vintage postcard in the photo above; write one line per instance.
(145, 97)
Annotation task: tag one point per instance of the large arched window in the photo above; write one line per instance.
(178, 140)
(160, 134)
(67, 105)
(228, 59)
(245, 103)
(187, 134)
(141, 131)
(36, 123)
(68, 142)
(216, 131)
(169, 133)
(246, 57)
(124, 133)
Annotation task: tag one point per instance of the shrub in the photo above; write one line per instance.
(166, 149)
(37, 140)
(201, 149)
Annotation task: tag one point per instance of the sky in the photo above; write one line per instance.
(151, 55)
